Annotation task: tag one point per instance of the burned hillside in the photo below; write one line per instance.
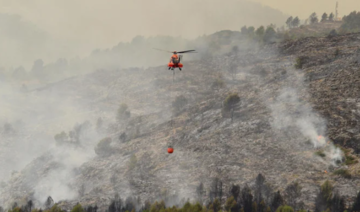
(291, 101)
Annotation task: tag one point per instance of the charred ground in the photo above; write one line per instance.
(210, 142)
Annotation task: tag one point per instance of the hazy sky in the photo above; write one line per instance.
(303, 8)
(90, 24)
(108, 22)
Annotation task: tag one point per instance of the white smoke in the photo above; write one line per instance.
(290, 111)
(57, 182)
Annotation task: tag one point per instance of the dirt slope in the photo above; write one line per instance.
(274, 130)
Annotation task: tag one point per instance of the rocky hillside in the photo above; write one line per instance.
(286, 117)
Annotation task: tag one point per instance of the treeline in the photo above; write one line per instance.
(351, 22)
(270, 34)
(260, 198)
(313, 19)
(139, 52)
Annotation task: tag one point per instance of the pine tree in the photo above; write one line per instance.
(260, 32)
(324, 197)
(313, 18)
(254, 207)
(216, 205)
(270, 34)
(292, 193)
(259, 184)
(235, 191)
(356, 204)
(295, 22)
(231, 204)
(289, 21)
(268, 209)
(285, 208)
(49, 202)
(277, 201)
(246, 199)
(324, 17)
(200, 191)
(244, 30)
(216, 189)
(262, 206)
(338, 203)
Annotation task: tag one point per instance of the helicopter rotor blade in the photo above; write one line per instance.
(187, 51)
(163, 50)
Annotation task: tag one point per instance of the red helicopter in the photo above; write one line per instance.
(175, 59)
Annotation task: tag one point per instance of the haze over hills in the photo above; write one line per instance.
(257, 110)
(88, 25)
(275, 119)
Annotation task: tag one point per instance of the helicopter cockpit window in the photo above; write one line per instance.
(175, 60)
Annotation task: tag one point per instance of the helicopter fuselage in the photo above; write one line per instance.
(175, 62)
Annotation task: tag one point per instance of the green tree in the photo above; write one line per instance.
(230, 204)
(327, 189)
(246, 199)
(268, 209)
(216, 189)
(277, 201)
(313, 18)
(251, 31)
(295, 22)
(356, 204)
(292, 194)
(195, 208)
(289, 22)
(285, 208)
(244, 31)
(55, 208)
(254, 207)
(331, 17)
(78, 208)
(351, 22)
(230, 101)
(324, 197)
(299, 62)
(337, 203)
(61, 138)
(270, 35)
(262, 206)
(216, 205)
(200, 192)
(123, 113)
(324, 17)
(229, 104)
(16, 209)
(103, 148)
(260, 32)
(332, 33)
(132, 162)
(259, 184)
(235, 191)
